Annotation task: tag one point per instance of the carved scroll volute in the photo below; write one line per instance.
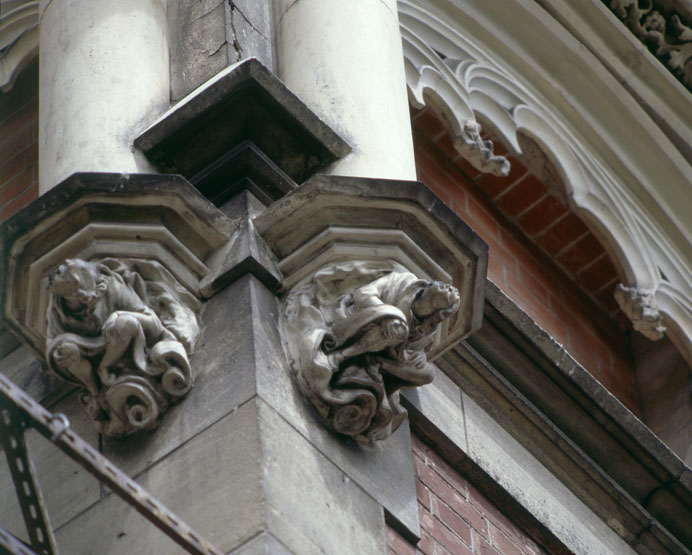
(358, 332)
(122, 329)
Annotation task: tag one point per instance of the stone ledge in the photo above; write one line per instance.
(244, 102)
(574, 426)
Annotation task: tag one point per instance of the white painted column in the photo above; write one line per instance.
(103, 77)
(344, 59)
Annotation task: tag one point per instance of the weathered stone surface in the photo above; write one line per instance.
(384, 470)
(207, 36)
(244, 102)
(225, 358)
(23, 368)
(67, 488)
(219, 467)
(312, 505)
(89, 216)
(511, 466)
(246, 253)
(640, 307)
(334, 219)
(241, 357)
(198, 47)
(8, 342)
(250, 31)
(439, 406)
(358, 332)
(121, 329)
(263, 544)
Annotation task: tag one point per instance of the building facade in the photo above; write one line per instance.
(351, 277)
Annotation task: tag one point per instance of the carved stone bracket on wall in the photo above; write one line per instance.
(381, 278)
(104, 276)
(358, 332)
(122, 329)
(640, 307)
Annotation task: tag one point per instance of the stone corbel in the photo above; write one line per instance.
(103, 279)
(478, 151)
(380, 278)
(639, 306)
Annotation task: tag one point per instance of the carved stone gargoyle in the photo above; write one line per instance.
(356, 334)
(122, 329)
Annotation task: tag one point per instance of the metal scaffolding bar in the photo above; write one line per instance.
(55, 427)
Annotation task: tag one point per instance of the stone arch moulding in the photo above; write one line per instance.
(456, 59)
(18, 38)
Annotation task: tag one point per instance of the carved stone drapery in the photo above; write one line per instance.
(356, 334)
(121, 329)
(380, 278)
(120, 263)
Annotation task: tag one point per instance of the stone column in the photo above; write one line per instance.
(104, 76)
(345, 61)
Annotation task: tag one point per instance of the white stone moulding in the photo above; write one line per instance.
(18, 38)
(621, 174)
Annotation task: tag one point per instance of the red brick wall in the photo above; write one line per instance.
(456, 517)
(566, 290)
(19, 144)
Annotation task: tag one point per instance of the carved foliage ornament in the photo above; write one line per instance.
(356, 334)
(664, 33)
(122, 329)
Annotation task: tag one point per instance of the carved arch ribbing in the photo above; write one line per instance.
(462, 82)
(18, 38)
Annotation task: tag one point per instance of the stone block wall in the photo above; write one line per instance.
(455, 516)
(550, 276)
(19, 143)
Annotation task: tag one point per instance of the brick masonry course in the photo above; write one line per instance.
(455, 516)
(19, 143)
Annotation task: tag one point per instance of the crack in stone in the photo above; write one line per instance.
(233, 6)
(224, 43)
(230, 8)
(205, 14)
